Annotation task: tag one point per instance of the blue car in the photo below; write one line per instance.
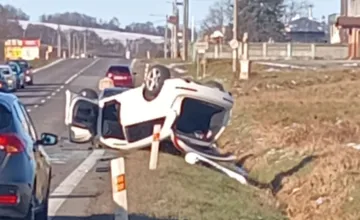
(20, 75)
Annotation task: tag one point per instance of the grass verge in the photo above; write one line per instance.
(40, 62)
(296, 131)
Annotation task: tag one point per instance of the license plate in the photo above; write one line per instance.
(120, 77)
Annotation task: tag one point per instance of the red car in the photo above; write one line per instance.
(121, 76)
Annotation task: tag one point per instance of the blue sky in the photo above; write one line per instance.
(128, 11)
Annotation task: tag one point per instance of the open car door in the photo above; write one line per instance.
(81, 116)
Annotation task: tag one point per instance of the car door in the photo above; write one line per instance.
(81, 116)
(41, 158)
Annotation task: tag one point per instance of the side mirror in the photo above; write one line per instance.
(48, 139)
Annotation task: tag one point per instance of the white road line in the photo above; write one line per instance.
(58, 90)
(49, 97)
(28, 110)
(80, 72)
(68, 185)
(54, 93)
(35, 106)
(42, 101)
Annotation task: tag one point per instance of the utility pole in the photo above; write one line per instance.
(85, 42)
(58, 42)
(235, 35)
(69, 43)
(176, 29)
(166, 38)
(185, 29)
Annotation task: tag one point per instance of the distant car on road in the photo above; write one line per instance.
(8, 79)
(20, 75)
(25, 172)
(27, 69)
(121, 76)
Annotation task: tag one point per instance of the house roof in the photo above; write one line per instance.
(305, 24)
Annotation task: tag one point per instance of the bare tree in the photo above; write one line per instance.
(219, 15)
(294, 8)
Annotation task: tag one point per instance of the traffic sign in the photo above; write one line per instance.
(201, 46)
(234, 44)
(172, 19)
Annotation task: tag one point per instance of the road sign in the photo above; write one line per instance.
(234, 44)
(172, 20)
(201, 46)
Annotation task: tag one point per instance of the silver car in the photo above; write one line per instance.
(9, 77)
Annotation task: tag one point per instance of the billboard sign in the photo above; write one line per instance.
(22, 49)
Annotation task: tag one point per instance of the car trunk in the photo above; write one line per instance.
(200, 120)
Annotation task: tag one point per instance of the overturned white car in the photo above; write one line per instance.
(191, 114)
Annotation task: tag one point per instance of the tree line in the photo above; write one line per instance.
(261, 19)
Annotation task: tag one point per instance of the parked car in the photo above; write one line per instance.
(20, 75)
(27, 69)
(121, 76)
(25, 172)
(192, 114)
(8, 79)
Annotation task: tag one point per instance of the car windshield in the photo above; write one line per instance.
(111, 92)
(13, 66)
(23, 64)
(4, 71)
(119, 70)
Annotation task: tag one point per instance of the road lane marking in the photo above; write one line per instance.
(80, 72)
(42, 101)
(70, 182)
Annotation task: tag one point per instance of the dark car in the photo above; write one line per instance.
(20, 74)
(121, 76)
(26, 69)
(25, 172)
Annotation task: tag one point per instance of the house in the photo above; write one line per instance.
(307, 30)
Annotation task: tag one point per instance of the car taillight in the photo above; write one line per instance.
(110, 75)
(11, 143)
(8, 199)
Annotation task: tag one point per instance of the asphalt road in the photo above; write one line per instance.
(75, 185)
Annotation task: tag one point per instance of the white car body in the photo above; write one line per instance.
(177, 103)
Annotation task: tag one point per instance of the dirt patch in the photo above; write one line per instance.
(296, 132)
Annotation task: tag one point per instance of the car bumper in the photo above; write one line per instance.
(19, 210)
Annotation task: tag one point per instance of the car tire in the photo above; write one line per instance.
(89, 93)
(214, 84)
(154, 81)
(43, 213)
(30, 214)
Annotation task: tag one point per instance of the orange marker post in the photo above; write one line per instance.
(154, 154)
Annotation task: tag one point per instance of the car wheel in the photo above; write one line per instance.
(43, 213)
(89, 93)
(154, 80)
(30, 214)
(214, 84)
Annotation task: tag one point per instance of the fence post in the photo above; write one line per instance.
(154, 154)
(313, 51)
(289, 50)
(264, 49)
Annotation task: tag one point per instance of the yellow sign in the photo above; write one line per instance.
(13, 53)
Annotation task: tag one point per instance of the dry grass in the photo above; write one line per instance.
(292, 129)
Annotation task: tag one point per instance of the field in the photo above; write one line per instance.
(296, 132)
